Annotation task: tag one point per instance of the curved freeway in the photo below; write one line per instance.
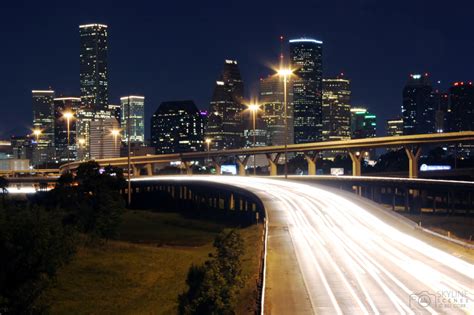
(334, 253)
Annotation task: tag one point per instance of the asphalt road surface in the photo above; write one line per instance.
(329, 253)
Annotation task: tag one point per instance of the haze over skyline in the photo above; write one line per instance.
(176, 51)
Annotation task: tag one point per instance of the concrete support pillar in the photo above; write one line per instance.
(273, 163)
(311, 159)
(242, 164)
(217, 164)
(356, 158)
(413, 157)
(136, 171)
(186, 167)
(149, 169)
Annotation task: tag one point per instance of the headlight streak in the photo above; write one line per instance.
(351, 260)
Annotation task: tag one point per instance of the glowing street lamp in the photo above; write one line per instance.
(37, 133)
(285, 73)
(254, 108)
(68, 116)
(208, 142)
(115, 133)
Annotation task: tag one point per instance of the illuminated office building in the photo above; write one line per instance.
(65, 151)
(336, 109)
(363, 123)
(133, 110)
(307, 62)
(43, 123)
(461, 107)
(93, 66)
(176, 127)
(394, 127)
(224, 125)
(417, 110)
(273, 109)
(103, 144)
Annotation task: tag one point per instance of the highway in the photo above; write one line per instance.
(340, 256)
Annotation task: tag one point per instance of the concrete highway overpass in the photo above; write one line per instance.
(354, 147)
(332, 252)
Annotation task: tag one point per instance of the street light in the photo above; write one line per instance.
(37, 133)
(208, 143)
(254, 108)
(68, 116)
(285, 73)
(115, 133)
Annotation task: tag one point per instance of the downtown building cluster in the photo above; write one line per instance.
(304, 106)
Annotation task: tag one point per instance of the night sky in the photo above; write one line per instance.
(172, 50)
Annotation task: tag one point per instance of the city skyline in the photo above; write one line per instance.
(152, 76)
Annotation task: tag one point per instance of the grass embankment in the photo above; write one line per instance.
(145, 270)
(461, 227)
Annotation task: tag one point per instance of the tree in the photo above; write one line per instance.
(94, 205)
(33, 245)
(213, 287)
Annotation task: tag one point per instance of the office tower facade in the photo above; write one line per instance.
(85, 116)
(417, 109)
(440, 105)
(224, 125)
(461, 107)
(22, 147)
(273, 109)
(363, 123)
(93, 66)
(306, 60)
(115, 111)
(176, 127)
(394, 127)
(133, 110)
(103, 145)
(64, 135)
(336, 109)
(43, 123)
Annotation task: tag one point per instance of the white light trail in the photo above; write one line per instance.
(352, 261)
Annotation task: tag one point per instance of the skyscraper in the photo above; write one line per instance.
(461, 115)
(133, 106)
(273, 109)
(363, 123)
(440, 105)
(224, 125)
(177, 126)
(394, 127)
(336, 109)
(93, 66)
(43, 123)
(62, 105)
(417, 109)
(306, 60)
(103, 144)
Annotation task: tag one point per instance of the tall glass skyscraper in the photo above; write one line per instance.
(43, 123)
(93, 66)
(418, 112)
(336, 109)
(273, 109)
(224, 125)
(133, 106)
(306, 56)
(177, 126)
(65, 152)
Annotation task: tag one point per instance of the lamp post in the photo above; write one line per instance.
(285, 73)
(37, 134)
(129, 187)
(68, 116)
(254, 108)
(115, 133)
(208, 143)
